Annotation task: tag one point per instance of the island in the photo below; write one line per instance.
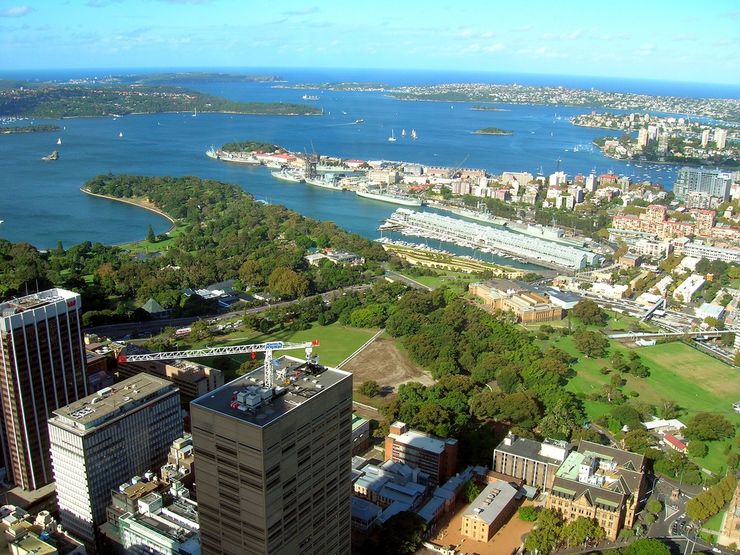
(28, 129)
(61, 101)
(251, 146)
(492, 131)
(481, 108)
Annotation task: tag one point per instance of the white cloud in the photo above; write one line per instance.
(16, 11)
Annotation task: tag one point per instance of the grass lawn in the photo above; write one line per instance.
(715, 523)
(445, 278)
(145, 246)
(693, 380)
(337, 343)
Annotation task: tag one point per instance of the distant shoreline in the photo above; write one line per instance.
(137, 203)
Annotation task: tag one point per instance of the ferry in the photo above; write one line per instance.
(288, 175)
(310, 97)
(389, 197)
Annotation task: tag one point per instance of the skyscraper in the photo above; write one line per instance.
(714, 182)
(274, 464)
(102, 440)
(42, 367)
(720, 137)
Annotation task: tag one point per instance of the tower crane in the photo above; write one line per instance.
(266, 348)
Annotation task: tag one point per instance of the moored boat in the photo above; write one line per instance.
(389, 197)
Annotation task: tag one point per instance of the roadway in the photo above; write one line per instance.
(151, 327)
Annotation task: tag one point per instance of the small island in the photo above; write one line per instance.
(481, 108)
(28, 129)
(492, 131)
(250, 146)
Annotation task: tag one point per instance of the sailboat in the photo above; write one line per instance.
(413, 134)
(403, 132)
(392, 138)
(195, 112)
(59, 141)
(120, 134)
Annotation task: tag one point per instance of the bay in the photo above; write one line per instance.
(42, 202)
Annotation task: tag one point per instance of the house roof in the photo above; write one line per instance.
(674, 441)
(153, 307)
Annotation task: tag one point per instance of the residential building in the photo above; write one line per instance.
(720, 137)
(674, 443)
(531, 461)
(42, 367)
(714, 182)
(599, 482)
(435, 456)
(490, 511)
(705, 138)
(274, 463)
(180, 464)
(192, 378)
(642, 138)
(685, 292)
(103, 439)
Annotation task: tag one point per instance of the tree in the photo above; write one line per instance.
(646, 547)
(470, 491)
(528, 514)
(369, 388)
(150, 237)
(582, 531)
(708, 426)
(590, 343)
(589, 313)
(638, 440)
(400, 535)
(654, 506)
(286, 283)
(697, 448)
(546, 535)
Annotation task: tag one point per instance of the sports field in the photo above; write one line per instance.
(693, 380)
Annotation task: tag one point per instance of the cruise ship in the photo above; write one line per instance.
(389, 197)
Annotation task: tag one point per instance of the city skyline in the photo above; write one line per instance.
(656, 41)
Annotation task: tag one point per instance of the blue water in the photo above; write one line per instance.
(42, 202)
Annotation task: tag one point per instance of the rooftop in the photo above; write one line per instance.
(95, 410)
(492, 500)
(246, 398)
(533, 450)
(422, 441)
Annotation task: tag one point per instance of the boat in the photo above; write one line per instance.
(403, 132)
(392, 138)
(288, 175)
(389, 197)
(59, 141)
(51, 157)
(310, 97)
(273, 164)
(359, 121)
(120, 134)
(413, 134)
(195, 113)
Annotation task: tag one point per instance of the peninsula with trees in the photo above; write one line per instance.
(492, 131)
(28, 129)
(61, 101)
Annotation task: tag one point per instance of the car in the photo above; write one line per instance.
(716, 550)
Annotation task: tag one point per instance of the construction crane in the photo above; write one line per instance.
(266, 348)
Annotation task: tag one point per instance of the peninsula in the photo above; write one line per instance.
(61, 101)
(492, 131)
(28, 129)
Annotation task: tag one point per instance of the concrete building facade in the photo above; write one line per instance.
(432, 455)
(274, 464)
(102, 440)
(42, 367)
(531, 461)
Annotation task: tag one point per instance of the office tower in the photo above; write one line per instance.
(42, 367)
(714, 182)
(720, 137)
(274, 464)
(104, 439)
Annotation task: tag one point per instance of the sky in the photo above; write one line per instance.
(655, 39)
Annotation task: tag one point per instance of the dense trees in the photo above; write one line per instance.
(709, 502)
(589, 313)
(590, 343)
(706, 426)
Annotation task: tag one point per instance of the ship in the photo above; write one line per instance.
(326, 184)
(389, 197)
(310, 97)
(51, 157)
(288, 175)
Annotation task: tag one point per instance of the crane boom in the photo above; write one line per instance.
(219, 351)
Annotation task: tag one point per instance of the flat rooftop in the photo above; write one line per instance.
(305, 381)
(422, 441)
(36, 300)
(88, 413)
(494, 498)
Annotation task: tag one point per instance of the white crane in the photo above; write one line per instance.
(266, 348)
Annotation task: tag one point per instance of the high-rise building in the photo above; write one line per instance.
(102, 440)
(720, 137)
(42, 367)
(714, 182)
(705, 138)
(274, 463)
(642, 138)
